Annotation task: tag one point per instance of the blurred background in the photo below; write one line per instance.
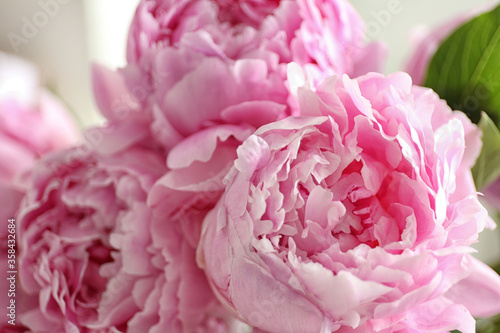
(63, 37)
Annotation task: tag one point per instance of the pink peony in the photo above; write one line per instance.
(326, 36)
(355, 217)
(32, 123)
(87, 251)
(197, 64)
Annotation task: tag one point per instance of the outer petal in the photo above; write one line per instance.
(254, 289)
(441, 314)
(111, 93)
(480, 291)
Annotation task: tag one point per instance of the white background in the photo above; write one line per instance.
(83, 31)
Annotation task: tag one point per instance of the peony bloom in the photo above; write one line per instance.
(87, 251)
(326, 36)
(197, 64)
(355, 217)
(32, 123)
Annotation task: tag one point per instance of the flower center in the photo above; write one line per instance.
(251, 12)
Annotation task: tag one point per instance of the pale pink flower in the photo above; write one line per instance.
(198, 64)
(88, 254)
(32, 120)
(355, 217)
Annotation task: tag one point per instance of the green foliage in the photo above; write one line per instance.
(490, 325)
(465, 71)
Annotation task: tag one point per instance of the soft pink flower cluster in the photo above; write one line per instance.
(252, 177)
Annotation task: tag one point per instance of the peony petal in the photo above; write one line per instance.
(442, 315)
(480, 291)
(254, 289)
(201, 145)
(111, 93)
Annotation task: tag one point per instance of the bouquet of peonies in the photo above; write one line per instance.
(255, 174)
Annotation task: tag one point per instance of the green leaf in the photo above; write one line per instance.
(465, 71)
(488, 325)
(497, 268)
(487, 167)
